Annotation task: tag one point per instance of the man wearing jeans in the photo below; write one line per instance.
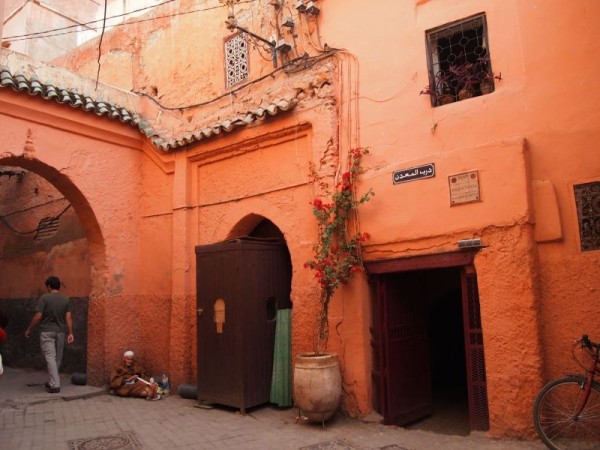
(53, 311)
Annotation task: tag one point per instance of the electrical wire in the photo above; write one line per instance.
(44, 34)
(32, 35)
(37, 229)
(314, 60)
(100, 43)
(288, 67)
(259, 48)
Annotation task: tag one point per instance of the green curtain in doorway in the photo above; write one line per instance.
(281, 382)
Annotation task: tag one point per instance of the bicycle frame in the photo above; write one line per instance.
(566, 410)
(588, 380)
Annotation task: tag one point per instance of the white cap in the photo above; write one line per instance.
(128, 354)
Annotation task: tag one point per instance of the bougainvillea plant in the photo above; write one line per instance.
(337, 252)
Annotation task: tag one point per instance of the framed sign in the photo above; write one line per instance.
(464, 188)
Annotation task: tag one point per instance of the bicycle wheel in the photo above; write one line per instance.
(553, 415)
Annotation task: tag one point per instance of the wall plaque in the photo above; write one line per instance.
(413, 173)
(464, 188)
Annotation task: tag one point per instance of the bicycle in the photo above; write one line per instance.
(566, 412)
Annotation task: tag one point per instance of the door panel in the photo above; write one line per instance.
(378, 349)
(476, 380)
(219, 343)
(408, 376)
(239, 284)
(401, 371)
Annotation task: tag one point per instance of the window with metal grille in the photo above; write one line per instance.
(459, 61)
(587, 200)
(236, 59)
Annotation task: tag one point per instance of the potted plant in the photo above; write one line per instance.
(465, 79)
(485, 75)
(461, 80)
(440, 89)
(336, 257)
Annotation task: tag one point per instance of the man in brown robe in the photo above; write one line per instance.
(128, 379)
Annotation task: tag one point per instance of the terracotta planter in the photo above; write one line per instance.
(464, 94)
(445, 99)
(487, 88)
(317, 385)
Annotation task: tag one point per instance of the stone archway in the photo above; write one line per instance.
(48, 227)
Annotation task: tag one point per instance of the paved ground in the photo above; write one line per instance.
(86, 417)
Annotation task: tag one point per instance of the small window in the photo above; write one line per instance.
(459, 61)
(587, 199)
(236, 59)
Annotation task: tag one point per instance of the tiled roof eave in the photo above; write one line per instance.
(32, 86)
(225, 126)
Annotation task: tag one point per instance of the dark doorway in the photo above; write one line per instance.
(450, 403)
(428, 373)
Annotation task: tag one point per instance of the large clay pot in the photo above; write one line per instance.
(317, 385)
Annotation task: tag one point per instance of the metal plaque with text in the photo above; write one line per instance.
(464, 187)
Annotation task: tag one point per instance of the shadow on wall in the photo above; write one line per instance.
(18, 351)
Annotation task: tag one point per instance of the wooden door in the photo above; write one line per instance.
(220, 330)
(240, 284)
(476, 377)
(401, 371)
(407, 375)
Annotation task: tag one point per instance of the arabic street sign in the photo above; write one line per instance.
(413, 173)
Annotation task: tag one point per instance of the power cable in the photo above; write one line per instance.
(33, 35)
(46, 34)
(313, 60)
(40, 226)
(100, 43)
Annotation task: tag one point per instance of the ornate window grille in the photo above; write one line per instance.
(236, 59)
(459, 61)
(587, 200)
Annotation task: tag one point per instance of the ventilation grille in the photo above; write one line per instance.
(46, 228)
(587, 199)
(236, 59)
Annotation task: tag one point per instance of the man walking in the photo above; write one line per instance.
(53, 310)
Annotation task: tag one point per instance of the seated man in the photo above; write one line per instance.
(128, 379)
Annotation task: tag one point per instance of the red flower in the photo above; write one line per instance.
(337, 252)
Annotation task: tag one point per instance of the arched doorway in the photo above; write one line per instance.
(46, 228)
(243, 301)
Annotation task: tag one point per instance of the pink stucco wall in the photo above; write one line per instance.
(530, 141)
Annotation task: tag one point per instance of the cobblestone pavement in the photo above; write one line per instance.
(85, 417)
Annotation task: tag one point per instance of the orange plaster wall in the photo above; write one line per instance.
(537, 288)
(549, 281)
(102, 180)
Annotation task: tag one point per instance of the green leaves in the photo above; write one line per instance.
(337, 252)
